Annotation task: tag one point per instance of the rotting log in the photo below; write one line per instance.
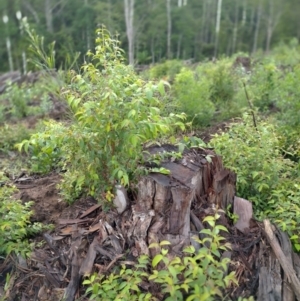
(285, 260)
(169, 198)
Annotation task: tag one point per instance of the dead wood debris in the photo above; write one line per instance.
(166, 208)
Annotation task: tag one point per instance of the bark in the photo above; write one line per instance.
(109, 7)
(129, 19)
(88, 36)
(169, 198)
(203, 27)
(257, 26)
(285, 261)
(244, 16)
(272, 22)
(152, 50)
(235, 29)
(219, 12)
(207, 21)
(49, 16)
(179, 46)
(169, 28)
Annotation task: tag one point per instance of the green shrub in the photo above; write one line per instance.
(15, 225)
(192, 96)
(263, 85)
(12, 134)
(25, 100)
(196, 276)
(287, 54)
(289, 100)
(114, 114)
(166, 70)
(45, 147)
(263, 173)
(212, 92)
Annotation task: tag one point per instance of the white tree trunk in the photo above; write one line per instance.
(129, 18)
(49, 16)
(169, 29)
(244, 16)
(235, 29)
(259, 11)
(272, 22)
(218, 20)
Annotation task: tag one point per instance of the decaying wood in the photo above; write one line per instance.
(88, 262)
(191, 179)
(90, 210)
(265, 292)
(199, 227)
(75, 279)
(77, 247)
(287, 291)
(243, 209)
(270, 281)
(282, 258)
(167, 207)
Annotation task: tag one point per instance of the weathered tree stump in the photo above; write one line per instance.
(165, 201)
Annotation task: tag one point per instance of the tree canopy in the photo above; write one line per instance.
(150, 30)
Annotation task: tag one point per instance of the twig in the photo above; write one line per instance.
(250, 105)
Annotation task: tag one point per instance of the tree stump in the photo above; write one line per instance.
(164, 202)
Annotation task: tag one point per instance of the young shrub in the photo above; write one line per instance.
(212, 92)
(264, 175)
(114, 114)
(12, 134)
(255, 155)
(263, 85)
(196, 276)
(166, 70)
(15, 225)
(45, 147)
(25, 100)
(192, 96)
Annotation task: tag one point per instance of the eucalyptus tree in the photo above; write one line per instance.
(130, 32)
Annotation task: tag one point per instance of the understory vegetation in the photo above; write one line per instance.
(113, 112)
(15, 225)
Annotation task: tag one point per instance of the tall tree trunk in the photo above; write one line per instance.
(259, 11)
(219, 12)
(109, 25)
(179, 46)
(129, 18)
(169, 28)
(272, 22)
(49, 16)
(207, 21)
(88, 36)
(235, 29)
(244, 16)
(152, 50)
(203, 26)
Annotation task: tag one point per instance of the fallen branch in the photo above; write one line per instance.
(283, 260)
